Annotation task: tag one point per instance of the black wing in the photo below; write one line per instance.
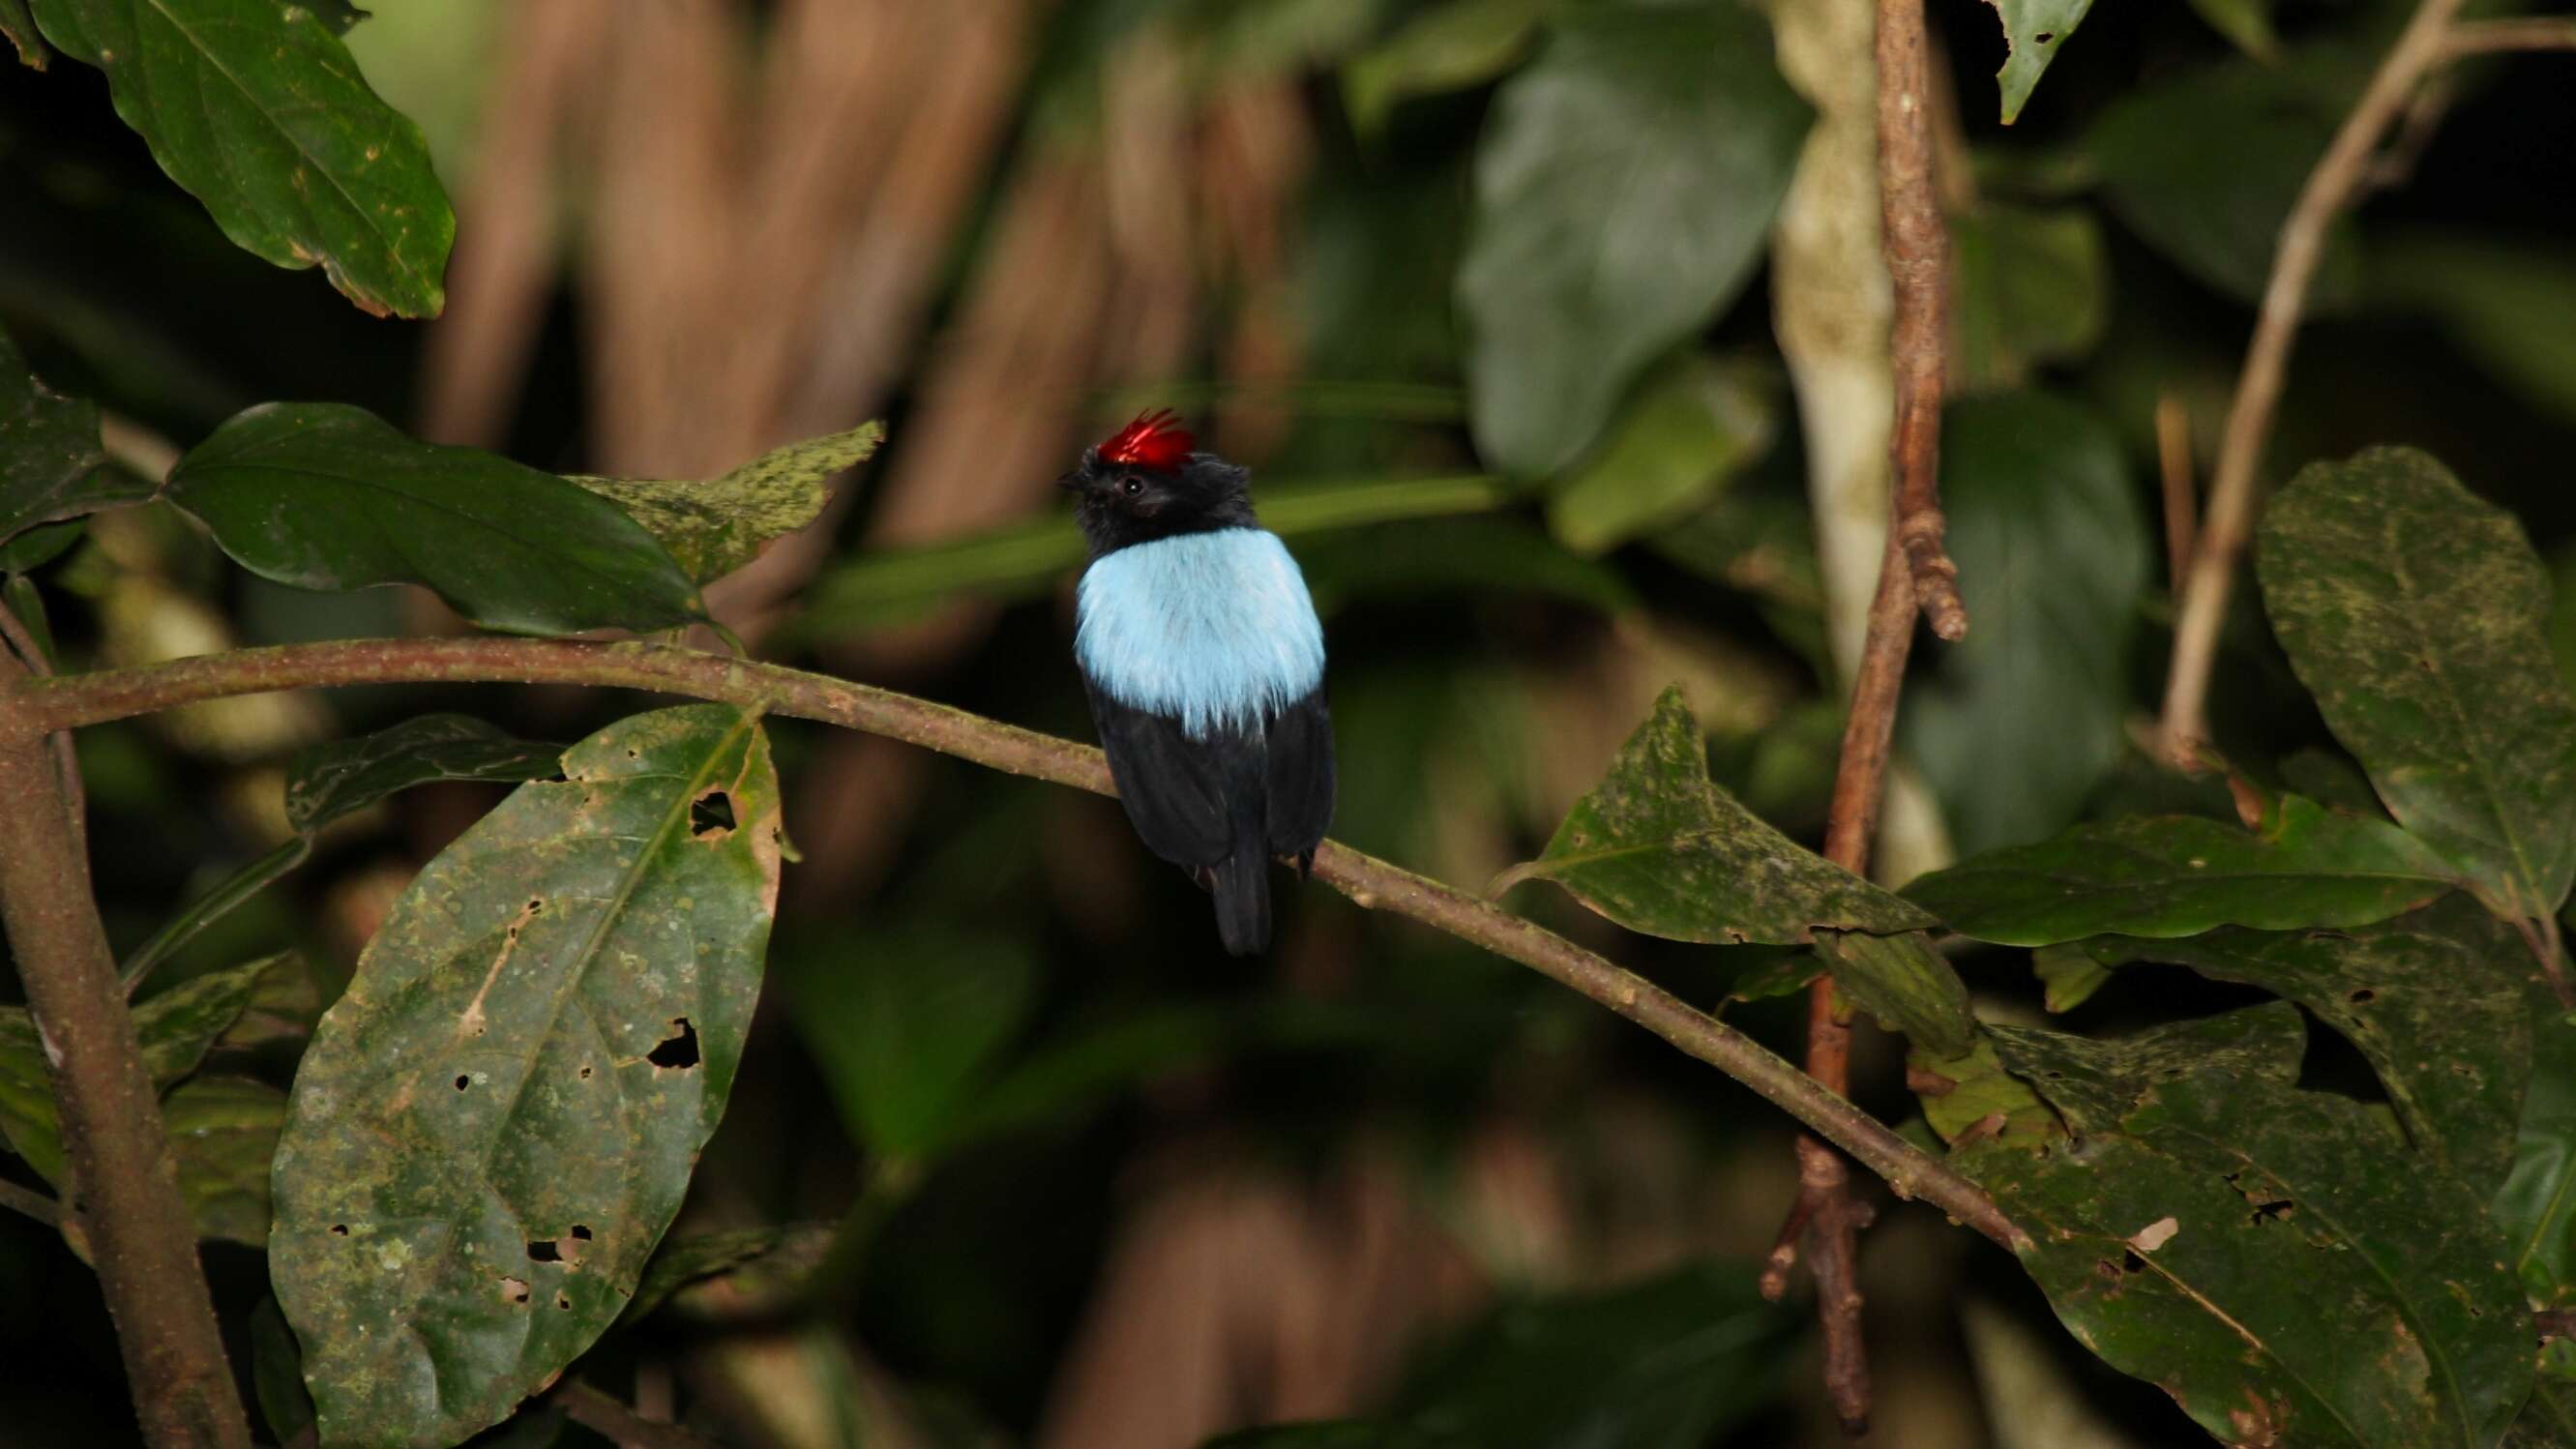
(1172, 785)
(1300, 770)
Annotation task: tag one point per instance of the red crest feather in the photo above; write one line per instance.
(1155, 440)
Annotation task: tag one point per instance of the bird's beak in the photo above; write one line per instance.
(1070, 482)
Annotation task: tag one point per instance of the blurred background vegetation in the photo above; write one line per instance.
(1127, 1192)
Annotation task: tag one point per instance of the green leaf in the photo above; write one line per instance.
(1903, 982)
(715, 527)
(277, 1373)
(1658, 848)
(259, 111)
(2094, 1082)
(2179, 875)
(906, 1026)
(20, 30)
(50, 463)
(2415, 612)
(329, 781)
(2030, 285)
(2433, 998)
(176, 1029)
(1451, 47)
(323, 496)
(1694, 426)
(2495, 299)
(2151, 148)
(2245, 1247)
(2248, 23)
(2548, 1421)
(2537, 1204)
(2020, 720)
(2068, 974)
(1077, 1070)
(2033, 31)
(1971, 1095)
(1625, 185)
(1025, 560)
(40, 545)
(223, 1131)
(495, 1124)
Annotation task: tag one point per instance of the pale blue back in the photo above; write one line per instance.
(1211, 629)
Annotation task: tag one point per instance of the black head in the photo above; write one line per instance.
(1144, 483)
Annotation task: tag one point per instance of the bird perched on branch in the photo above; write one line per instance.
(1205, 665)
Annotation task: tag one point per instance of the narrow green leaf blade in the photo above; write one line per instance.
(2033, 29)
(494, 1125)
(1907, 985)
(2247, 23)
(714, 527)
(323, 496)
(328, 781)
(259, 111)
(1660, 849)
(2415, 611)
(223, 1131)
(2179, 875)
(906, 1026)
(50, 462)
(2244, 1246)
(2433, 998)
(19, 29)
(1625, 185)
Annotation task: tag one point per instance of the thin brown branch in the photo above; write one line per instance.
(2330, 187)
(140, 1234)
(1833, 1256)
(31, 1203)
(2490, 37)
(71, 701)
(609, 1417)
(1918, 262)
(2182, 499)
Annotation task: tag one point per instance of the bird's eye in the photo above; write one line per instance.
(1133, 487)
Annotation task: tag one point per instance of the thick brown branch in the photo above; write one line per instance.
(71, 701)
(2330, 187)
(126, 1193)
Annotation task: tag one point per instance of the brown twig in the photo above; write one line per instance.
(1914, 574)
(2490, 37)
(2182, 500)
(140, 1234)
(31, 1203)
(606, 1415)
(23, 643)
(2346, 165)
(66, 702)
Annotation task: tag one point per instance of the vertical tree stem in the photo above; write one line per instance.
(125, 1184)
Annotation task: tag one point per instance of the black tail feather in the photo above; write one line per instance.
(1242, 890)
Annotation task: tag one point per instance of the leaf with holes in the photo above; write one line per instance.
(494, 1125)
(1660, 849)
(259, 111)
(2245, 1246)
(1625, 184)
(50, 463)
(176, 1028)
(2034, 30)
(714, 527)
(2178, 875)
(323, 496)
(2434, 998)
(2415, 612)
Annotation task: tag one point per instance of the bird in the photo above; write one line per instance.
(1198, 645)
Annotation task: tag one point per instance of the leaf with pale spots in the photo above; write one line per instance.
(258, 109)
(2416, 612)
(2250, 1249)
(714, 527)
(496, 1122)
(1659, 848)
